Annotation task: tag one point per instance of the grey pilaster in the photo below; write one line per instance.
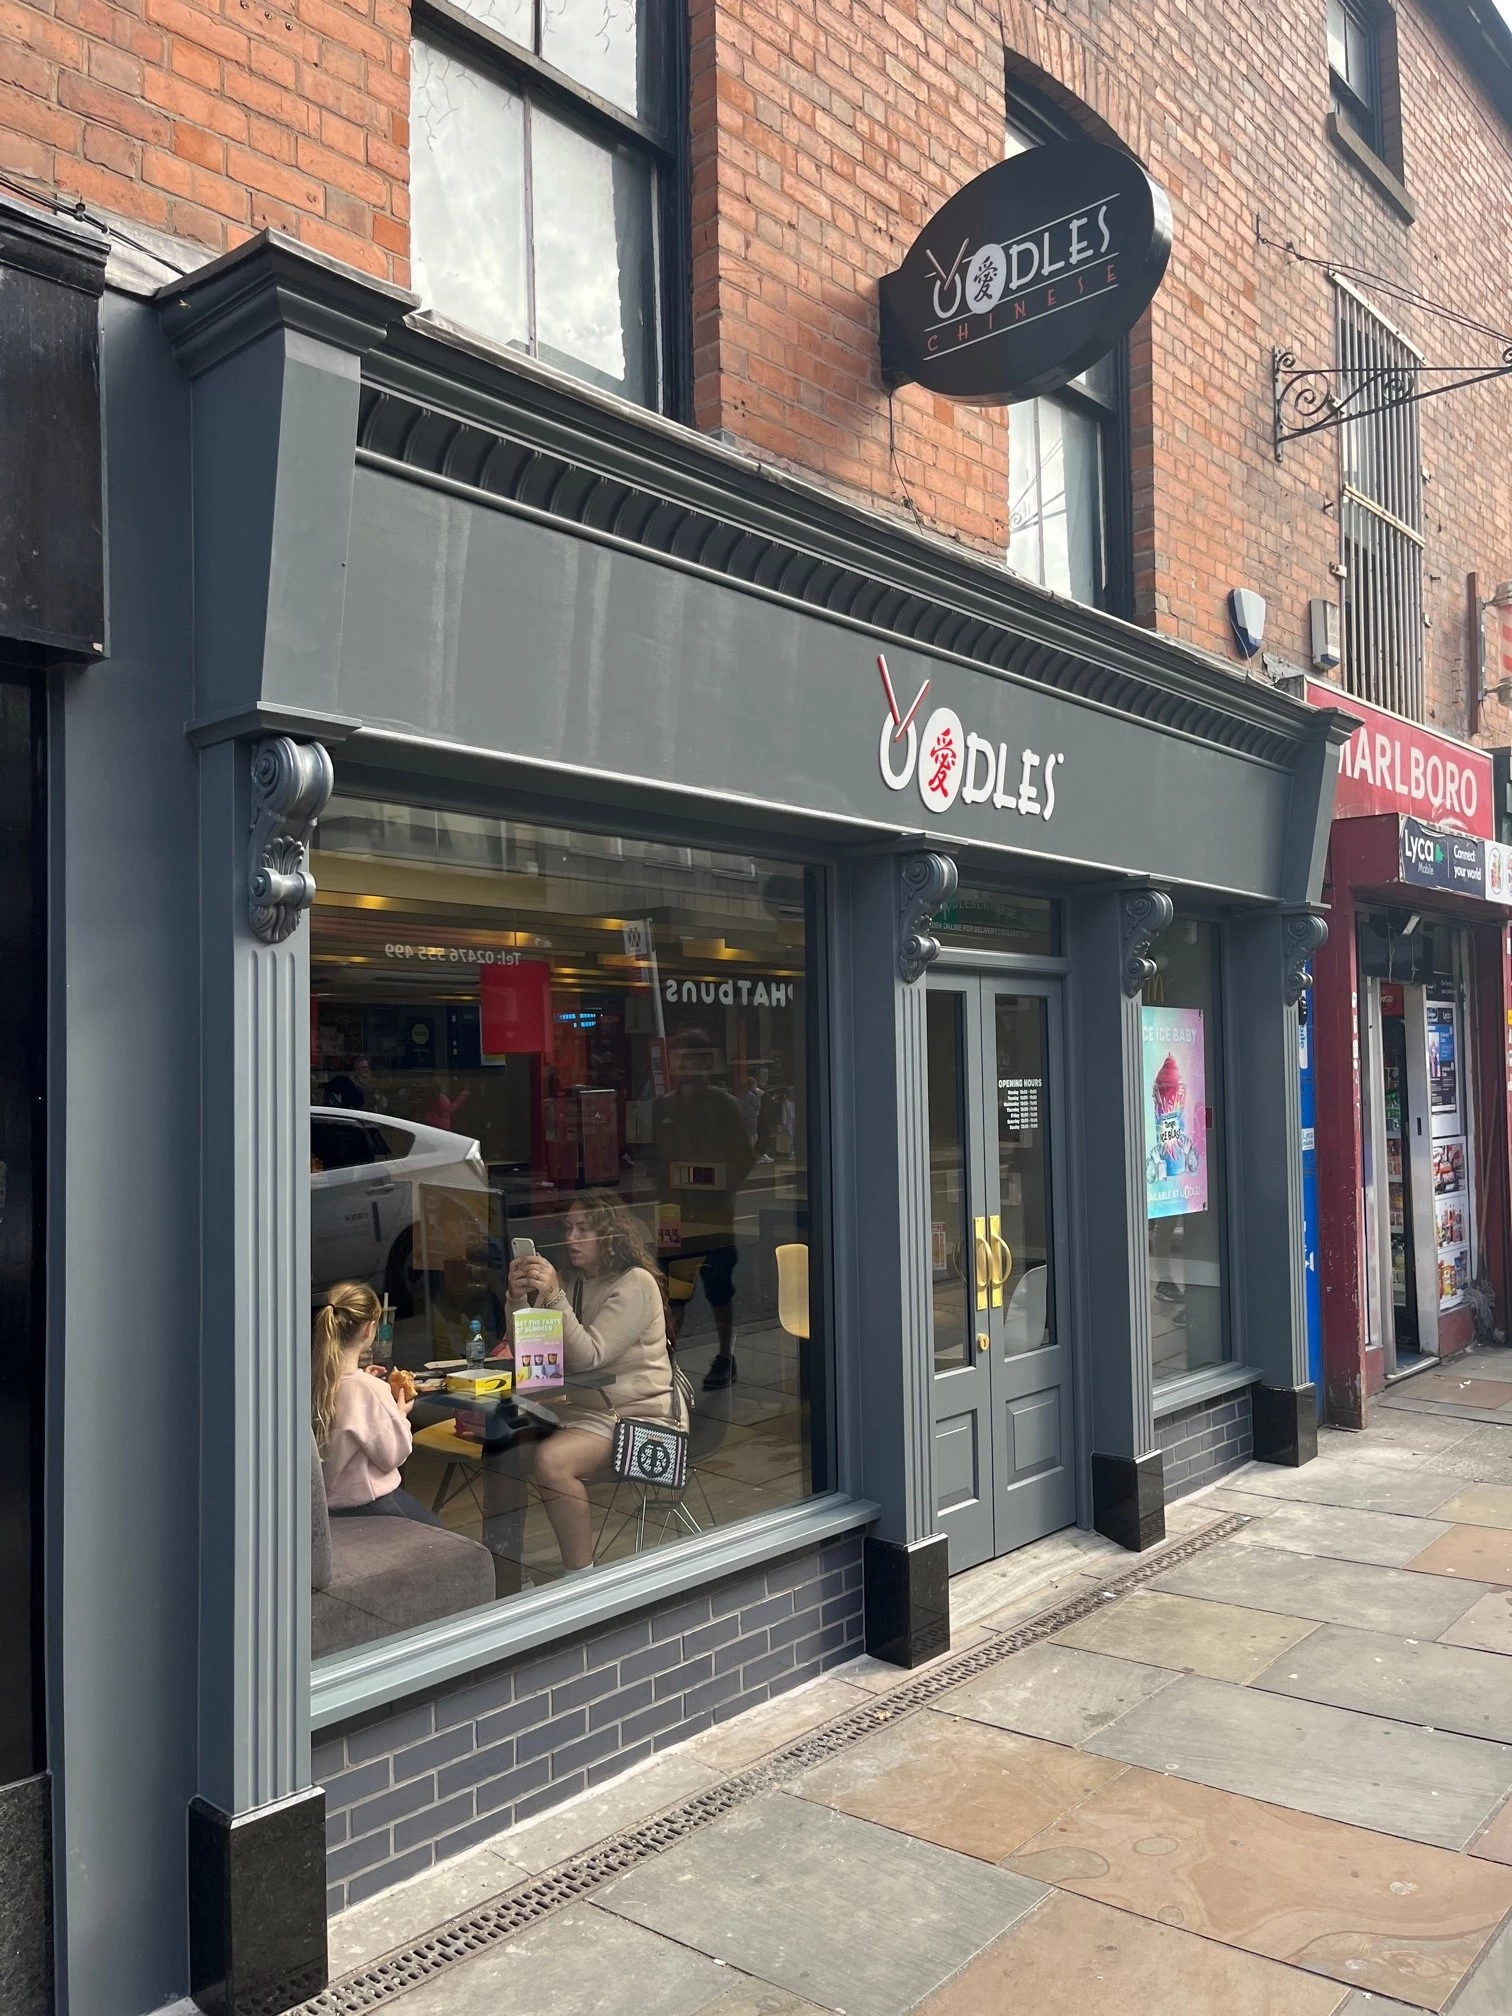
(885, 1067)
(271, 340)
(1267, 952)
(1111, 933)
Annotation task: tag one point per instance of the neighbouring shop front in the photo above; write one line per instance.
(51, 622)
(1411, 1058)
(542, 838)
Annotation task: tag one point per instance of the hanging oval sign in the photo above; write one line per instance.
(1027, 275)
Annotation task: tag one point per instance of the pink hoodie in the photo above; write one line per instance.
(370, 1438)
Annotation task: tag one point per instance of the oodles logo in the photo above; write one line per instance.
(948, 761)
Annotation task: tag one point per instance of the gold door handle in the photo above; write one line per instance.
(983, 1263)
(984, 1342)
(1002, 1268)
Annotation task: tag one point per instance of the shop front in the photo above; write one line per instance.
(1411, 1058)
(595, 859)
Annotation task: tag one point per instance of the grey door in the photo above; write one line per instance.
(1003, 1426)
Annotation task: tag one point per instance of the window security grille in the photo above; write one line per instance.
(1380, 510)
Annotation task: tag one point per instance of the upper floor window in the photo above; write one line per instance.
(1380, 509)
(1068, 513)
(1354, 63)
(546, 186)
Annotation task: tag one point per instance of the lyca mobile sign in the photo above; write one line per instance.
(1027, 275)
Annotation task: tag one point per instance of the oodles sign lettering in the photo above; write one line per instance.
(1027, 275)
(946, 760)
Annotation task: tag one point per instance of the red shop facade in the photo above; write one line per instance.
(1412, 1021)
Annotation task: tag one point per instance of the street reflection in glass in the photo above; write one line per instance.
(559, 1207)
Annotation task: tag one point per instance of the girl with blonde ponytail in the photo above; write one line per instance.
(361, 1427)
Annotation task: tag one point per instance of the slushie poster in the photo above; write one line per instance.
(1176, 1173)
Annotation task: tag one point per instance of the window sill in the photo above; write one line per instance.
(371, 1676)
(1211, 1383)
(1372, 167)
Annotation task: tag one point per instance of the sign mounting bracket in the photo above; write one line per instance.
(1314, 399)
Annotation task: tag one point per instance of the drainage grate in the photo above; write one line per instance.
(475, 1931)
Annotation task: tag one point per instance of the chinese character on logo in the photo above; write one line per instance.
(945, 756)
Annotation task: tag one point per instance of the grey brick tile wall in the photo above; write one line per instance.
(406, 1788)
(1205, 1442)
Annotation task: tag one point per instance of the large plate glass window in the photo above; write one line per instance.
(1068, 513)
(560, 1154)
(1184, 1146)
(545, 183)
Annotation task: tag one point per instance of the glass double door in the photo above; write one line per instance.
(1003, 1420)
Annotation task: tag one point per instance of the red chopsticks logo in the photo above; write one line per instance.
(901, 722)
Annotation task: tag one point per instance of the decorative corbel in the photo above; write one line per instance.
(291, 786)
(1302, 932)
(928, 880)
(1142, 915)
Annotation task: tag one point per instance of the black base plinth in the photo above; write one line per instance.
(26, 1888)
(907, 1589)
(1286, 1424)
(257, 1906)
(1128, 1499)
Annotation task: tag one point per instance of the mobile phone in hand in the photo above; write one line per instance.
(524, 1249)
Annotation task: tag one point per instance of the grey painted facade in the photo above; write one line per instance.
(477, 586)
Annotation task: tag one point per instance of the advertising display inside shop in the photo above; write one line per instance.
(559, 1202)
(1446, 1107)
(1171, 1044)
(1183, 1150)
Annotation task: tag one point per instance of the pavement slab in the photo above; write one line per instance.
(780, 1888)
(1076, 1958)
(1187, 1634)
(1463, 1391)
(567, 1830)
(1408, 1679)
(1426, 1785)
(1488, 1992)
(1495, 1842)
(731, 1746)
(1329, 1592)
(1480, 1505)
(1343, 1533)
(1483, 1553)
(356, 1937)
(1056, 1692)
(1372, 1911)
(963, 1785)
(580, 1958)
(1378, 1480)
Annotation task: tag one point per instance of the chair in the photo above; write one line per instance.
(1024, 1318)
(372, 1577)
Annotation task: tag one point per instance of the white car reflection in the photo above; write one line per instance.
(367, 1176)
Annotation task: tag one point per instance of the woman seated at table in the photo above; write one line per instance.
(614, 1325)
(361, 1424)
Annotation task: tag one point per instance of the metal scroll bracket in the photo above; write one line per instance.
(1311, 398)
(1302, 933)
(925, 881)
(291, 786)
(1142, 915)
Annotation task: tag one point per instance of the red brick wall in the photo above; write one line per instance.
(825, 133)
(212, 121)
